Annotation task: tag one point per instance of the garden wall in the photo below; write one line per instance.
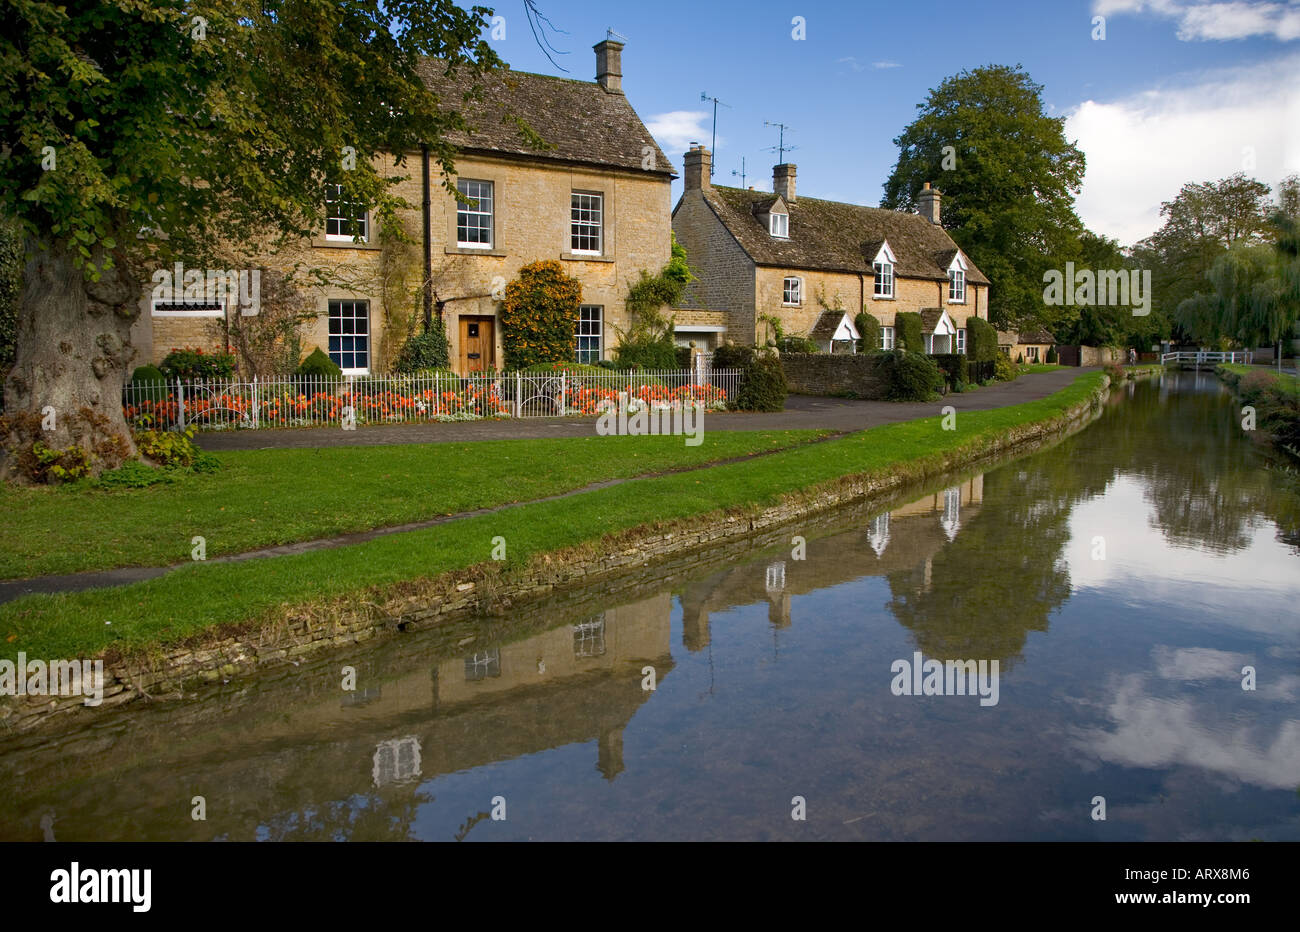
(853, 376)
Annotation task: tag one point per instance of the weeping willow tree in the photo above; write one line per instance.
(1250, 302)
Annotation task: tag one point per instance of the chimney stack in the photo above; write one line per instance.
(698, 162)
(927, 204)
(783, 181)
(609, 65)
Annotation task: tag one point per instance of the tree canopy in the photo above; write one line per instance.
(1008, 177)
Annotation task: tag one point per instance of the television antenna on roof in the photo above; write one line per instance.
(780, 148)
(713, 146)
(741, 173)
(611, 34)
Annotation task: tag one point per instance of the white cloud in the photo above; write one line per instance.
(1218, 20)
(852, 62)
(676, 130)
(1141, 149)
(885, 64)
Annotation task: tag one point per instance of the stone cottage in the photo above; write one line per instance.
(597, 199)
(807, 263)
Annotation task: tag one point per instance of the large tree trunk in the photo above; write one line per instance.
(73, 353)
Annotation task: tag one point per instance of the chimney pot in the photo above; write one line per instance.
(697, 163)
(783, 181)
(609, 65)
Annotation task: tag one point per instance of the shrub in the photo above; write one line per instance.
(684, 357)
(427, 350)
(149, 383)
(981, 340)
(908, 333)
(192, 363)
(1051, 355)
(1004, 370)
(47, 464)
(1253, 385)
(539, 315)
(647, 350)
(147, 375)
(168, 447)
(1020, 359)
(911, 376)
(954, 368)
(797, 345)
(731, 356)
(763, 386)
(868, 331)
(318, 365)
(1115, 371)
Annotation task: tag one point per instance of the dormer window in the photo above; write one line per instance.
(779, 225)
(883, 267)
(957, 280)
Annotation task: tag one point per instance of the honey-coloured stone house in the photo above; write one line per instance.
(814, 264)
(597, 199)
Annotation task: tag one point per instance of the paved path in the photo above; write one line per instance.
(802, 412)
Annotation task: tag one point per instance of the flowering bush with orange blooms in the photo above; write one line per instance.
(539, 315)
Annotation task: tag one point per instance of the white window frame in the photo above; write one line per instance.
(334, 195)
(329, 313)
(882, 268)
(581, 226)
(886, 338)
(579, 335)
(798, 291)
(957, 279)
(465, 210)
(778, 225)
(961, 341)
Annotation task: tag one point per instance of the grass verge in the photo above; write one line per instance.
(201, 597)
(263, 498)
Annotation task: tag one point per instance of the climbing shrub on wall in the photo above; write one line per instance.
(908, 332)
(539, 315)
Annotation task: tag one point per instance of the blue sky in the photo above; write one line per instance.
(1179, 90)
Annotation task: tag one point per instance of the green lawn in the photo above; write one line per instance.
(200, 596)
(1035, 368)
(262, 498)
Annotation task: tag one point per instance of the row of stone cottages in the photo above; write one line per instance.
(598, 200)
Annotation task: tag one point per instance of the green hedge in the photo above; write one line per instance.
(981, 340)
(427, 350)
(911, 376)
(908, 332)
(869, 331)
(763, 386)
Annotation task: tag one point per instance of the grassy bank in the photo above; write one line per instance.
(1275, 396)
(263, 498)
(201, 596)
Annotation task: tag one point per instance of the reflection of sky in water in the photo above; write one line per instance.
(1120, 678)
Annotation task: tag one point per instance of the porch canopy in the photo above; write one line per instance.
(940, 332)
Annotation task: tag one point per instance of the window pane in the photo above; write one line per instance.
(349, 329)
(588, 334)
(585, 212)
(474, 220)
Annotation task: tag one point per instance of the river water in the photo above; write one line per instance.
(1121, 579)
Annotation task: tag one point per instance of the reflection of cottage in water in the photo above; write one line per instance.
(904, 539)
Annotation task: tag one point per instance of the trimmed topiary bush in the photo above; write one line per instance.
(539, 315)
(148, 384)
(868, 331)
(908, 333)
(1051, 355)
(911, 376)
(319, 365)
(981, 340)
(192, 363)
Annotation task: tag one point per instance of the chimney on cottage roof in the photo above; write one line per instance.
(698, 161)
(783, 181)
(927, 203)
(609, 65)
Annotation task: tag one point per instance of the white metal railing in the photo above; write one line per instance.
(308, 401)
(1207, 357)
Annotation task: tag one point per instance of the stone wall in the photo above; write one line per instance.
(844, 376)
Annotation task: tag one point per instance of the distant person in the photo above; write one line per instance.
(1132, 356)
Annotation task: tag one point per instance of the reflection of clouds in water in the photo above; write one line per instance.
(1153, 731)
(1197, 663)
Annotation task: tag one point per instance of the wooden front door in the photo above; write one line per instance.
(477, 344)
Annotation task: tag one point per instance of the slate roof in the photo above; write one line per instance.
(930, 317)
(832, 236)
(826, 325)
(584, 123)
